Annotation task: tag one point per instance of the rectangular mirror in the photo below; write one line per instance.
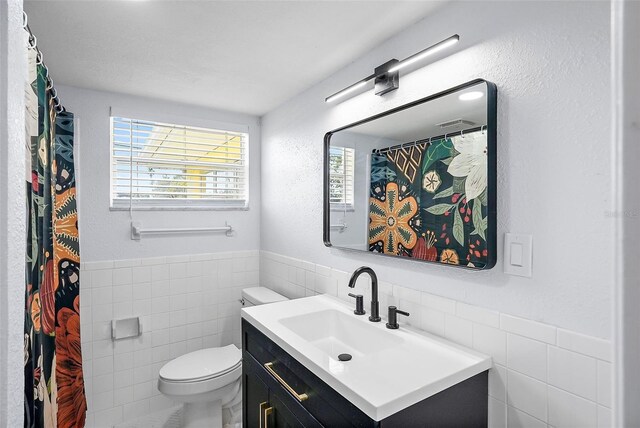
(418, 181)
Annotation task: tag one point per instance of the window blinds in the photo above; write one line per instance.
(341, 176)
(159, 164)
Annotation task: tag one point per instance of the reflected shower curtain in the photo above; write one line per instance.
(54, 385)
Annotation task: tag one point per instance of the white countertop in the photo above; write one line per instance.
(390, 370)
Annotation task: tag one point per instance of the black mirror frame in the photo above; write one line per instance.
(492, 132)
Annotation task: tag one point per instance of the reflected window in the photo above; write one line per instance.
(341, 177)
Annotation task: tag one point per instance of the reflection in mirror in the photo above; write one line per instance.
(417, 182)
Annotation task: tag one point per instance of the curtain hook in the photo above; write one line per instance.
(39, 58)
(462, 133)
(33, 41)
(482, 129)
(49, 82)
(445, 136)
(25, 20)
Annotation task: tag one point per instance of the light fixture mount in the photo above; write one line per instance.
(386, 81)
(386, 77)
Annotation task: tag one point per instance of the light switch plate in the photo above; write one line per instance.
(518, 254)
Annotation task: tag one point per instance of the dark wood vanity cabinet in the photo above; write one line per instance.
(279, 392)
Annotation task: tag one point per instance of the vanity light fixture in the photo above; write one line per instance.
(348, 90)
(386, 77)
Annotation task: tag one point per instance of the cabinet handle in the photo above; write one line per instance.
(299, 397)
(264, 414)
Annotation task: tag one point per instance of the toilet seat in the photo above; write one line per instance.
(203, 378)
(201, 371)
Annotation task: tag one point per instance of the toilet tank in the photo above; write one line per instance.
(259, 296)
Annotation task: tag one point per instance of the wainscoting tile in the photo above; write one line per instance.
(126, 263)
(152, 261)
(498, 382)
(101, 278)
(605, 385)
(432, 321)
(528, 328)
(592, 346)
(527, 356)
(573, 372)
(107, 418)
(122, 276)
(490, 341)
(439, 303)
(140, 274)
(458, 330)
(527, 394)
(519, 419)
(568, 410)
(107, 264)
(497, 413)
(478, 314)
(605, 417)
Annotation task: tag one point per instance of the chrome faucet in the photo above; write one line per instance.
(375, 305)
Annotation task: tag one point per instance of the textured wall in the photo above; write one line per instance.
(105, 234)
(12, 211)
(550, 61)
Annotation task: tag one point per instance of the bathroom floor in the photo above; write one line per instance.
(173, 418)
(170, 418)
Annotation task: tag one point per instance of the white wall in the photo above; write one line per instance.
(550, 61)
(13, 68)
(106, 234)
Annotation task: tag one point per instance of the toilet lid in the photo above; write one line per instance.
(202, 364)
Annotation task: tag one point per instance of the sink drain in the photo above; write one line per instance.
(344, 357)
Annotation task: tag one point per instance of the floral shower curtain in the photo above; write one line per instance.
(428, 201)
(54, 385)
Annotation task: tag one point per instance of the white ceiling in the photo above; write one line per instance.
(244, 56)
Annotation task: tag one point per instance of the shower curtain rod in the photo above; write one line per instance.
(33, 44)
(482, 128)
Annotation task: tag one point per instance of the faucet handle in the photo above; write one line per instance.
(359, 304)
(393, 317)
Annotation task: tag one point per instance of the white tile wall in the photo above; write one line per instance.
(543, 376)
(185, 302)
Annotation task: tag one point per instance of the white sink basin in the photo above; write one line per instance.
(390, 369)
(334, 332)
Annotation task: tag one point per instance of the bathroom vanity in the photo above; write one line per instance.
(292, 375)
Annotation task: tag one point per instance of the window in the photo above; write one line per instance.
(341, 172)
(163, 165)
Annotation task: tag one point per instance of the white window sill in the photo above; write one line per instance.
(194, 207)
(342, 208)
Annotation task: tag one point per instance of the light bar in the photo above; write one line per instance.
(348, 89)
(425, 53)
(386, 75)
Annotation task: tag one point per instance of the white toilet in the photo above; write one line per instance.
(210, 379)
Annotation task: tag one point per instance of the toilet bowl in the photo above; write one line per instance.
(208, 380)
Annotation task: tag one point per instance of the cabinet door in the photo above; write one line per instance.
(255, 395)
(281, 416)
